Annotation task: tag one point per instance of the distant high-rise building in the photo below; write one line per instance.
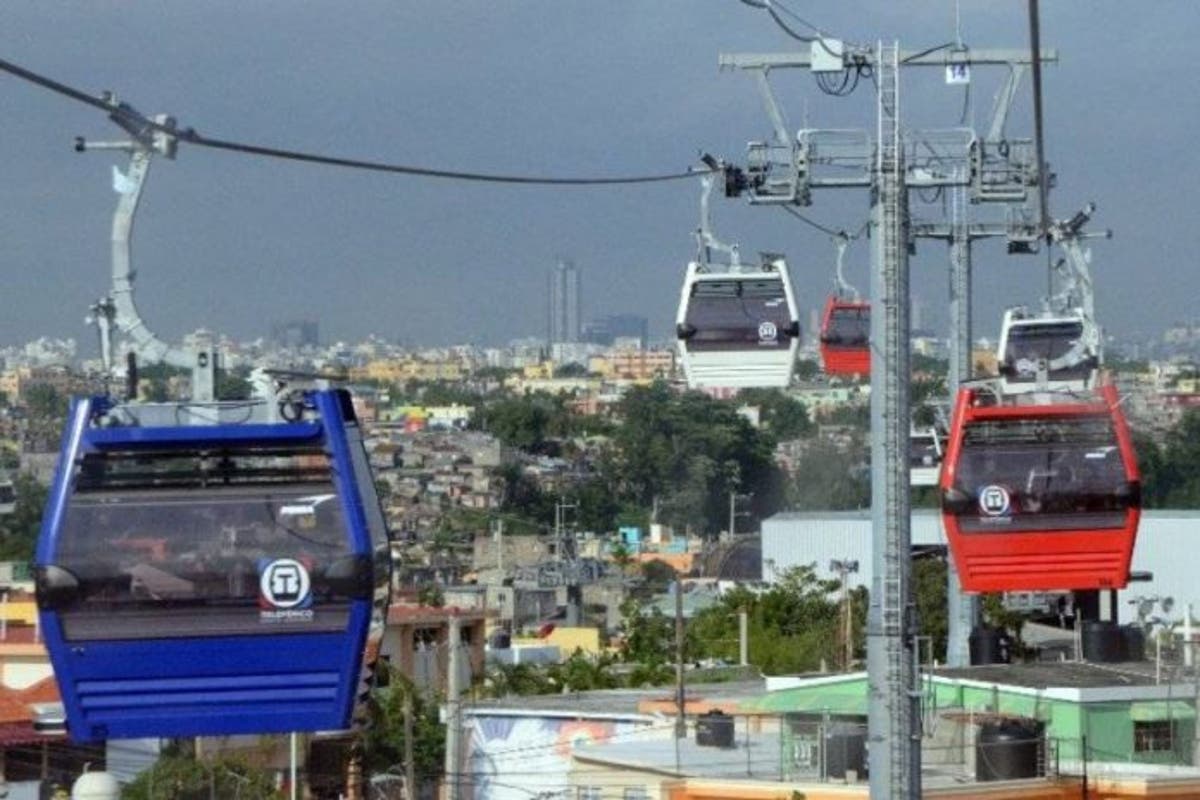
(562, 318)
(605, 330)
(295, 333)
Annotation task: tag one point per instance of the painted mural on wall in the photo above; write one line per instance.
(516, 758)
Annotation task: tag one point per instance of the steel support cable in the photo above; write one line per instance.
(190, 136)
(822, 228)
(799, 37)
(770, 7)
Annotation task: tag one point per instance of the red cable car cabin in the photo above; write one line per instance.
(846, 337)
(1040, 495)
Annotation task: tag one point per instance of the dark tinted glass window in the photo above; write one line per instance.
(1042, 475)
(185, 545)
(1031, 343)
(738, 315)
(923, 451)
(848, 326)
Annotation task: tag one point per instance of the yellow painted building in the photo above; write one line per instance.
(634, 365)
(568, 640)
(402, 370)
(543, 370)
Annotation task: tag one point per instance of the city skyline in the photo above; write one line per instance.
(226, 241)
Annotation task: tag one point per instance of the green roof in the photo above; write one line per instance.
(846, 696)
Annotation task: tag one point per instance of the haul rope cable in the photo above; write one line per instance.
(191, 136)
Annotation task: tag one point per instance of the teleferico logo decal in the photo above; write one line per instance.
(285, 591)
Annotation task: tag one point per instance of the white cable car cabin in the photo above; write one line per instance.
(737, 328)
(926, 447)
(1047, 351)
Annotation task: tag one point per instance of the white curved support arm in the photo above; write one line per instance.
(706, 241)
(842, 287)
(128, 321)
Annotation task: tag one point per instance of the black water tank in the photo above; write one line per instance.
(1134, 640)
(1102, 642)
(1009, 749)
(845, 750)
(988, 646)
(714, 729)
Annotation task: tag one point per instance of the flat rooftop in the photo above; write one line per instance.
(1064, 674)
(615, 701)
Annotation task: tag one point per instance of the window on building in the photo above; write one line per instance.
(589, 793)
(1153, 736)
(635, 793)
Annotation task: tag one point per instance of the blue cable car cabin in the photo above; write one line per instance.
(213, 578)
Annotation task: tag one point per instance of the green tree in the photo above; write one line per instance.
(785, 417)
(648, 634)
(383, 740)
(446, 393)
(530, 421)
(793, 626)
(657, 577)
(19, 530)
(234, 384)
(43, 401)
(583, 673)
(620, 555)
(688, 452)
(1171, 472)
(506, 680)
(178, 777)
(527, 508)
(571, 370)
(929, 588)
(856, 416)
(828, 478)
(807, 369)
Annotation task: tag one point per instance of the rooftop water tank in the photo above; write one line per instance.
(1009, 749)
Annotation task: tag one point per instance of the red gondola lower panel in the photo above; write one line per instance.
(1040, 493)
(845, 337)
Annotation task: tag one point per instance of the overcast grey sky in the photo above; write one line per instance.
(538, 86)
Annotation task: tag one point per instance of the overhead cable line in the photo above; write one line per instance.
(191, 136)
(822, 228)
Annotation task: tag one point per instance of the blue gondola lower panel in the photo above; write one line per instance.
(211, 579)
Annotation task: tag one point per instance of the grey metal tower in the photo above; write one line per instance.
(785, 170)
(893, 702)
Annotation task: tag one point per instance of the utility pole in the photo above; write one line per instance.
(732, 511)
(354, 775)
(410, 768)
(453, 709)
(743, 638)
(680, 698)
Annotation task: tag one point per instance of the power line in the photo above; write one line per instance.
(191, 136)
